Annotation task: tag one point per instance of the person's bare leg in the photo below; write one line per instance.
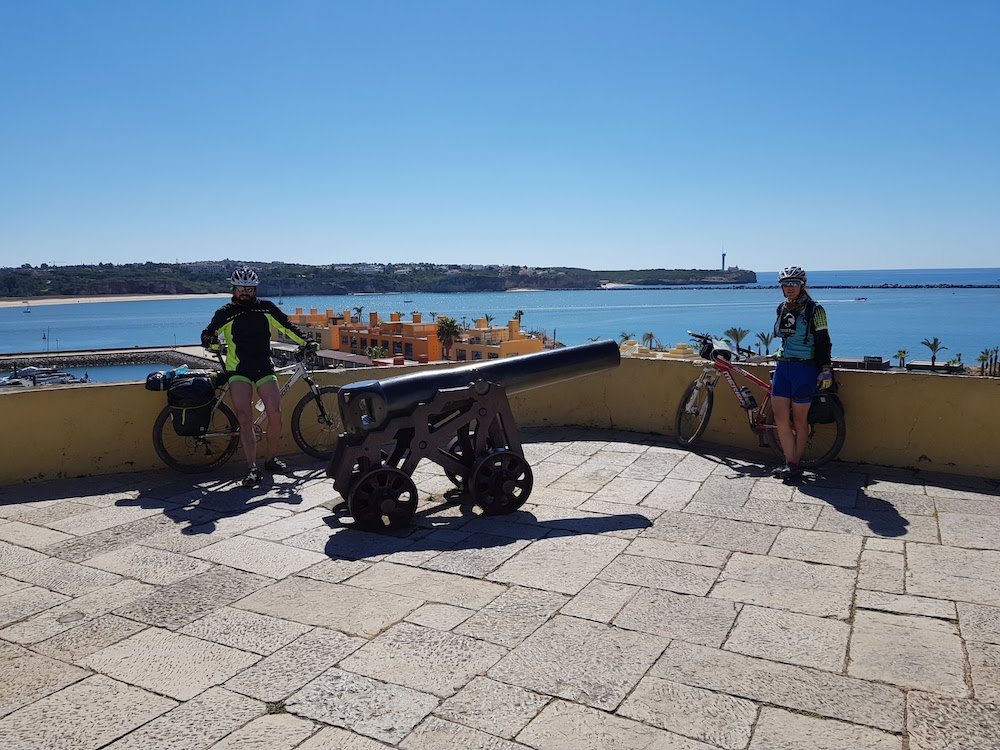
(241, 395)
(783, 422)
(270, 394)
(800, 422)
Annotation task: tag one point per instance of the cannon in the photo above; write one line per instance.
(458, 418)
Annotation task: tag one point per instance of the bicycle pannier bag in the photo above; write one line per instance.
(157, 381)
(823, 409)
(191, 399)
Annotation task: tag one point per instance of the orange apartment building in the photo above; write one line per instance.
(411, 340)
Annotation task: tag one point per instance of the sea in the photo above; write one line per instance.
(870, 313)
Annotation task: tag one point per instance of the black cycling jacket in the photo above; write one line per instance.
(246, 329)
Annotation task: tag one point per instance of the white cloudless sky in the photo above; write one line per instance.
(606, 135)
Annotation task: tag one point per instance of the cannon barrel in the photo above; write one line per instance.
(368, 404)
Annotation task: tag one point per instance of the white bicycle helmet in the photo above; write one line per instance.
(792, 273)
(244, 276)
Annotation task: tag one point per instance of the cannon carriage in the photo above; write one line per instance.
(458, 418)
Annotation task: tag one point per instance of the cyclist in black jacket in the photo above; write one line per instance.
(245, 324)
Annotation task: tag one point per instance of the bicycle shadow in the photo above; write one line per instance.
(200, 505)
(467, 530)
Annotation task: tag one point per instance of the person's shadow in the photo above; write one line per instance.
(882, 518)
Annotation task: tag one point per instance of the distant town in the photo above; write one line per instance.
(281, 279)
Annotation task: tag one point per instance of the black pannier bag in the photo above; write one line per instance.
(823, 409)
(191, 398)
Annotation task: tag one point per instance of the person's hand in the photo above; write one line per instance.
(824, 381)
(309, 348)
(210, 342)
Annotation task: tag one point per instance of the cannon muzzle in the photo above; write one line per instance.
(369, 404)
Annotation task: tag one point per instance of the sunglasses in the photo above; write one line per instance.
(244, 289)
(792, 283)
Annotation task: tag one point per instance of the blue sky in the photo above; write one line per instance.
(619, 134)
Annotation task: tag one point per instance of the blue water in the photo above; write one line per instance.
(965, 320)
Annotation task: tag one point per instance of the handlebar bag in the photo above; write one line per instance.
(191, 398)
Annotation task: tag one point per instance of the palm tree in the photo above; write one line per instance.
(358, 310)
(489, 319)
(901, 355)
(518, 314)
(982, 359)
(625, 336)
(447, 331)
(433, 314)
(766, 339)
(736, 335)
(647, 339)
(935, 346)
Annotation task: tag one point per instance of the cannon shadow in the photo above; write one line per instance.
(466, 530)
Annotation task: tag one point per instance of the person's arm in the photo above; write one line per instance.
(824, 348)
(279, 321)
(210, 336)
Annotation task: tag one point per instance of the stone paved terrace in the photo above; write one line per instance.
(644, 598)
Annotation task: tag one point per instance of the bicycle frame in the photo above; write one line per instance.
(298, 372)
(757, 415)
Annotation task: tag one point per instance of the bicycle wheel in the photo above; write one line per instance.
(823, 443)
(195, 454)
(693, 414)
(316, 424)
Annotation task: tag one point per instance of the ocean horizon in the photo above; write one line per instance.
(876, 321)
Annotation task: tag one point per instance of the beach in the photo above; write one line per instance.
(38, 301)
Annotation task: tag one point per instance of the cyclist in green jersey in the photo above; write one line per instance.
(245, 325)
(804, 365)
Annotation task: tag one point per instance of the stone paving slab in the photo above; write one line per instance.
(570, 726)
(695, 619)
(934, 722)
(796, 688)
(438, 734)
(72, 613)
(425, 659)
(169, 663)
(196, 724)
(64, 577)
(493, 707)
(645, 597)
(821, 590)
(581, 661)
(375, 709)
(790, 637)
(30, 536)
(84, 716)
(351, 610)
(277, 676)
(249, 631)
(26, 676)
(715, 718)
(778, 729)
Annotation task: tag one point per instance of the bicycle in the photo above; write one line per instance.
(315, 423)
(825, 439)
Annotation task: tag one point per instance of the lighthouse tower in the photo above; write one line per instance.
(723, 261)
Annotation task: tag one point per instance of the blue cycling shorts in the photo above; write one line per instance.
(795, 379)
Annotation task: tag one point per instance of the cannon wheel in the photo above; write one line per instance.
(384, 498)
(501, 482)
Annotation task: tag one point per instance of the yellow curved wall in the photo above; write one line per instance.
(931, 422)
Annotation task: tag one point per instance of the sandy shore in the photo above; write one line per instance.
(35, 301)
